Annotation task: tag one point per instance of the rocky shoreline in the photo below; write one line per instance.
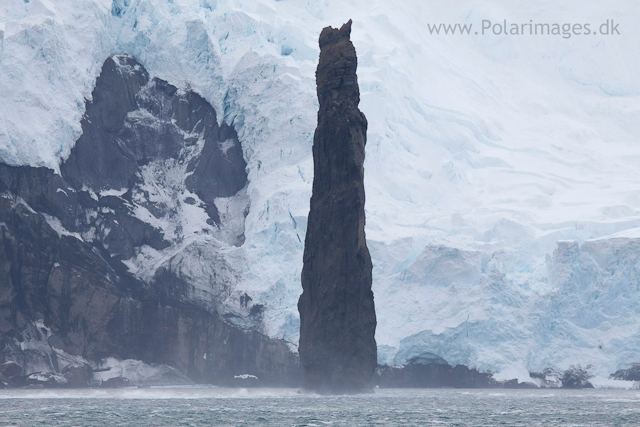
(427, 372)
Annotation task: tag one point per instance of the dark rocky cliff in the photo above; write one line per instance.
(337, 315)
(68, 296)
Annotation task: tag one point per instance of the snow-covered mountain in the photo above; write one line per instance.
(503, 193)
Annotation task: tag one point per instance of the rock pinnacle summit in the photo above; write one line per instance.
(337, 313)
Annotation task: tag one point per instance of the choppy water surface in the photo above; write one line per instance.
(201, 406)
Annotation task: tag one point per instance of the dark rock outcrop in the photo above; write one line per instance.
(94, 311)
(577, 377)
(67, 300)
(133, 120)
(630, 374)
(337, 314)
(431, 371)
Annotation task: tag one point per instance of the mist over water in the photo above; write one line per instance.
(200, 406)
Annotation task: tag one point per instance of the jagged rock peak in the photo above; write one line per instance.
(337, 314)
(336, 73)
(331, 35)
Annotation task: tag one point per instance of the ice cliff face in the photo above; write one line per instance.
(485, 156)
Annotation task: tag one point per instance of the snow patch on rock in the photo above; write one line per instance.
(59, 228)
(135, 372)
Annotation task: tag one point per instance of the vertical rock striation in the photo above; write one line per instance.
(337, 314)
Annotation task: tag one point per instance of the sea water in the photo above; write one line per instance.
(213, 406)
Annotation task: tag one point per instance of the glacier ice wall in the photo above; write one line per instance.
(483, 153)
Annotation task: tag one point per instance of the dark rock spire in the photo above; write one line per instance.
(337, 314)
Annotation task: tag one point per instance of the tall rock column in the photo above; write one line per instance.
(337, 314)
